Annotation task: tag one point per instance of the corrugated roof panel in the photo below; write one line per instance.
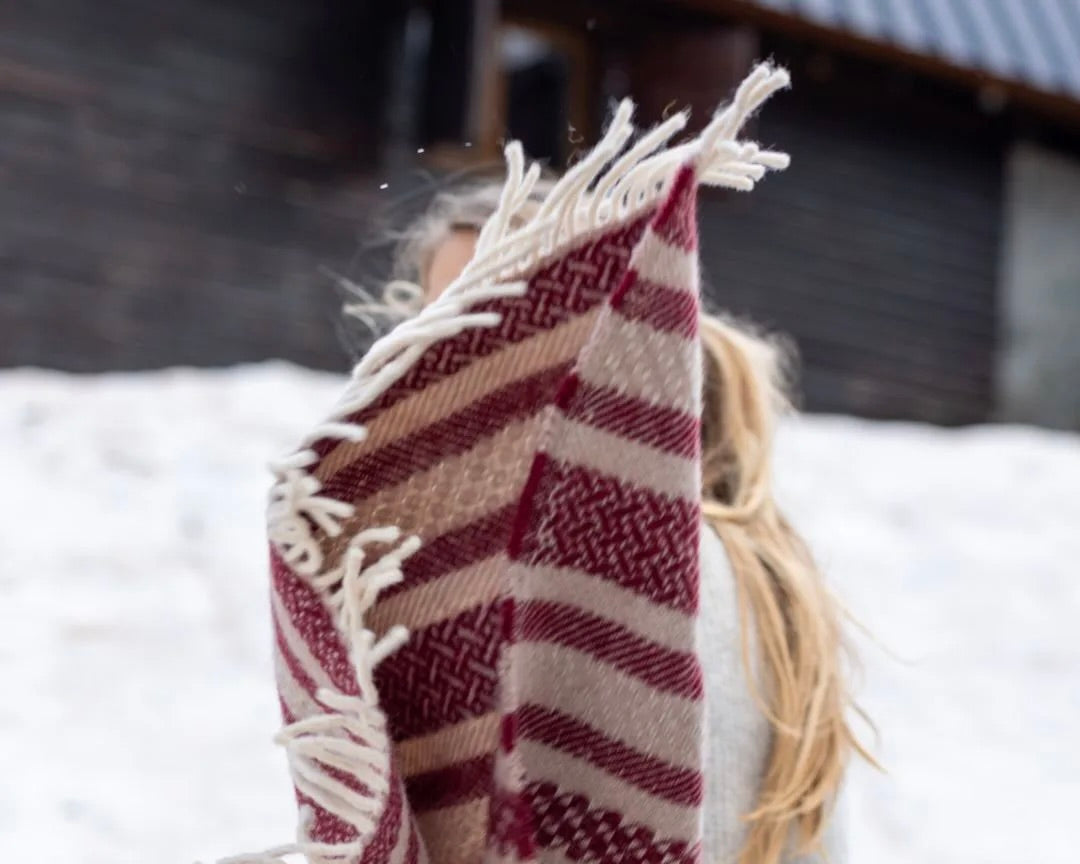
(950, 40)
(818, 8)
(1063, 40)
(982, 27)
(1035, 42)
(865, 18)
(906, 25)
(1032, 50)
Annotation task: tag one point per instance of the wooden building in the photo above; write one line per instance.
(179, 180)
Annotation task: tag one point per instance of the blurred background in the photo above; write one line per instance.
(189, 184)
(177, 179)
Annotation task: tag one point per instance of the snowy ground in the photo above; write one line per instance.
(138, 703)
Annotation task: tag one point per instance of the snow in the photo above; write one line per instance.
(134, 650)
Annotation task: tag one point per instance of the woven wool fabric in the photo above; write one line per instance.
(601, 688)
(521, 495)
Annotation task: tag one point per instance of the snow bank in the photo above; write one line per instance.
(138, 703)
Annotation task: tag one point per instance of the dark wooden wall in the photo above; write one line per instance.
(877, 250)
(172, 183)
(175, 176)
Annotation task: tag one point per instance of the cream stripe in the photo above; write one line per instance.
(629, 461)
(659, 261)
(641, 361)
(554, 855)
(442, 598)
(660, 624)
(484, 376)
(452, 493)
(295, 697)
(297, 646)
(617, 704)
(456, 835)
(422, 856)
(466, 740)
(544, 855)
(401, 845)
(608, 792)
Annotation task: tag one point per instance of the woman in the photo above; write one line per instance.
(778, 732)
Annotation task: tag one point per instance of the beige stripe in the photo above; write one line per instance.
(608, 792)
(456, 835)
(641, 361)
(629, 461)
(297, 646)
(660, 624)
(617, 704)
(659, 261)
(442, 598)
(479, 379)
(466, 740)
(295, 697)
(454, 492)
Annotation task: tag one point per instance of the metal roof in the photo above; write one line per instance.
(1033, 42)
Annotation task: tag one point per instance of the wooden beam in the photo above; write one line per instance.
(700, 67)
(1056, 106)
(460, 57)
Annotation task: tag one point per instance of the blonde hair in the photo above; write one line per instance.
(780, 590)
(782, 597)
(461, 209)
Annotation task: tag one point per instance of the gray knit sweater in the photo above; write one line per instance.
(737, 740)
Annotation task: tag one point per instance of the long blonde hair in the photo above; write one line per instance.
(780, 590)
(782, 597)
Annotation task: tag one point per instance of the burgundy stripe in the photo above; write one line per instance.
(456, 549)
(665, 429)
(672, 310)
(445, 439)
(665, 670)
(348, 779)
(676, 221)
(444, 674)
(328, 828)
(562, 289)
(325, 827)
(386, 833)
(683, 786)
(412, 853)
(456, 784)
(298, 672)
(636, 538)
(567, 821)
(312, 621)
(523, 516)
(510, 826)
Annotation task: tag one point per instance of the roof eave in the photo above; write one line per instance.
(1060, 107)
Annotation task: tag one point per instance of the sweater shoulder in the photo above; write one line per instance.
(737, 734)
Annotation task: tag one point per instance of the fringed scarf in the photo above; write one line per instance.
(485, 563)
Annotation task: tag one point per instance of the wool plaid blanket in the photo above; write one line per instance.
(485, 562)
